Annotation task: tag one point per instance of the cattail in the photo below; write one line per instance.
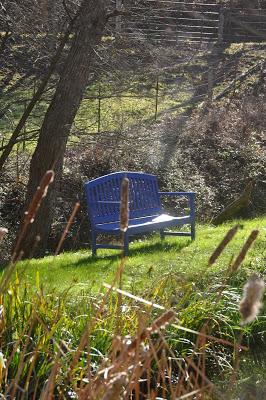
(228, 237)
(40, 193)
(124, 205)
(241, 256)
(3, 232)
(68, 226)
(250, 304)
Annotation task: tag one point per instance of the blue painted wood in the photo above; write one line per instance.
(146, 213)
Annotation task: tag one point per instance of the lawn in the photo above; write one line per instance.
(58, 300)
(166, 263)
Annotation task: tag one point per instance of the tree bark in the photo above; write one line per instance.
(49, 153)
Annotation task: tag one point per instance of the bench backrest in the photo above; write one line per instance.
(103, 196)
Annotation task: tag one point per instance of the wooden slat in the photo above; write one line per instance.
(172, 10)
(183, 3)
(139, 25)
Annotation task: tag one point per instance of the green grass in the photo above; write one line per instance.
(59, 296)
(169, 262)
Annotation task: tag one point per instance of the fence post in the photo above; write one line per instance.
(221, 26)
(24, 129)
(99, 108)
(156, 97)
(17, 162)
(210, 84)
(118, 19)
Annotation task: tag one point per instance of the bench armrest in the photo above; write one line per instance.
(189, 194)
(104, 202)
(191, 198)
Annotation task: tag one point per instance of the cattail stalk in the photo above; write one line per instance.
(68, 226)
(33, 208)
(40, 193)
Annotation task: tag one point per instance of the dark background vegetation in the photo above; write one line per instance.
(212, 147)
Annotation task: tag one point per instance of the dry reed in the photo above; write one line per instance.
(243, 252)
(68, 226)
(220, 248)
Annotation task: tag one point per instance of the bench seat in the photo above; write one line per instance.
(144, 224)
(146, 212)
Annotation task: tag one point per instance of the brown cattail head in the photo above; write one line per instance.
(228, 237)
(40, 193)
(243, 252)
(250, 304)
(3, 232)
(124, 205)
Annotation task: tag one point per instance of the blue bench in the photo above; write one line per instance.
(146, 213)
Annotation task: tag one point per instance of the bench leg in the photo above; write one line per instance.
(126, 244)
(162, 234)
(93, 243)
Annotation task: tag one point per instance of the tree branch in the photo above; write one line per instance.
(116, 13)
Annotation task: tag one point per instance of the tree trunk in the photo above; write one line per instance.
(49, 153)
(15, 135)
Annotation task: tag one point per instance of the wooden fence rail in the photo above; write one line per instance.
(174, 21)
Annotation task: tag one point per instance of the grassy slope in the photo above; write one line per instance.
(170, 262)
(175, 270)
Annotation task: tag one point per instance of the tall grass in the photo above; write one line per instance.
(115, 345)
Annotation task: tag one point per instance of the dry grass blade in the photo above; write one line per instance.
(115, 386)
(40, 193)
(84, 339)
(191, 395)
(212, 338)
(68, 226)
(241, 256)
(219, 249)
(159, 323)
(48, 391)
(30, 214)
(29, 218)
(132, 296)
(12, 389)
(124, 212)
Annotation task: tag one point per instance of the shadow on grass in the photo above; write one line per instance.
(142, 249)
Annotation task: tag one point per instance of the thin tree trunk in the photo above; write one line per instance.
(50, 150)
(13, 139)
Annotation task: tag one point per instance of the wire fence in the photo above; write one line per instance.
(171, 88)
(179, 21)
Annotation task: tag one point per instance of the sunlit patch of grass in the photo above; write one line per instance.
(61, 305)
(150, 260)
